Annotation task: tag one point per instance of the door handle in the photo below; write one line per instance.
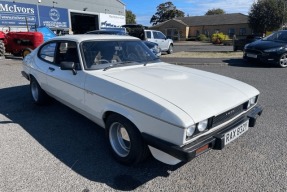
(51, 69)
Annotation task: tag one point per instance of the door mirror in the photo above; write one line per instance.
(67, 65)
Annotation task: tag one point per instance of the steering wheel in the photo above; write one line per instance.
(101, 61)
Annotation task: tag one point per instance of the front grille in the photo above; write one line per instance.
(223, 117)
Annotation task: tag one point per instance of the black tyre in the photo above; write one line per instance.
(125, 141)
(170, 49)
(283, 60)
(38, 94)
(2, 48)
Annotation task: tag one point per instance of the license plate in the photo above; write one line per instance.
(251, 55)
(235, 133)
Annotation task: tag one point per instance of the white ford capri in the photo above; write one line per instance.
(145, 105)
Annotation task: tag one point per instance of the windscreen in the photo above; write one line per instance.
(102, 54)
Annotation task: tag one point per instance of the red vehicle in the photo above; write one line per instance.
(19, 43)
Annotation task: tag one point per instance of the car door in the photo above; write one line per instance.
(162, 40)
(43, 61)
(66, 85)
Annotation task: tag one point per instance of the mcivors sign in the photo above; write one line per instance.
(16, 14)
(16, 9)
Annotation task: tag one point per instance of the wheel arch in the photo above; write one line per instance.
(121, 112)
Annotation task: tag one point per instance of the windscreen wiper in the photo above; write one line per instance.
(119, 63)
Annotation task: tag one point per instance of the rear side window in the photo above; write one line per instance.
(148, 34)
(47, 52)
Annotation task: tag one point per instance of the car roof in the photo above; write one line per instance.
(86, 37)
(107, 31)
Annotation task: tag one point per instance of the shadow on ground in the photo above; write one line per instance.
(75, 140)
(239, 62)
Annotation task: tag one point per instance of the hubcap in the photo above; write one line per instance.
(34, 91)
(171, 49)
(283, 60)
(119, 139)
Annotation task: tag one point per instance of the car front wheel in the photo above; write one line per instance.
(170, 49)
(38, 94)
(283, 60)
(125, 140)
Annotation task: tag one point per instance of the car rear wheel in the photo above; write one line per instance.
(38, 94)
(170, 49)
(125, 140)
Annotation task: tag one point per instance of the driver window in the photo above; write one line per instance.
(161, 35)
(68, 52)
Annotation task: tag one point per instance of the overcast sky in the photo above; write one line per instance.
(144, 10)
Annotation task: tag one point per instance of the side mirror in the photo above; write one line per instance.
(66, 65)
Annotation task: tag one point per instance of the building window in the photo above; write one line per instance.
(206, 32)
(231, 32)
(242, 31)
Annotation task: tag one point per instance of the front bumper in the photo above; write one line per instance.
(269, 58)
(214, 140)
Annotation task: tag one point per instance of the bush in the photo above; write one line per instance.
(201, 37)
(218, 38)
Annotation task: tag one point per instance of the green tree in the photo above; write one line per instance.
(267, 15)
(130, 17)
(165, 12)
(217, 11)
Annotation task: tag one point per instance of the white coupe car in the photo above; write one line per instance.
(145, 105)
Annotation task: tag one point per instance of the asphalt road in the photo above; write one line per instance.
(53, 148)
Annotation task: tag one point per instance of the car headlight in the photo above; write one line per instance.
(202, 125)
(156, 48)
(251, 101)
(273, 49)
(197, 128)
(190, 130)
(245, 46)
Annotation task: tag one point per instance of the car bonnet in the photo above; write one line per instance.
(199, 94)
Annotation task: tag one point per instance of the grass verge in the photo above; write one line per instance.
(205, 55)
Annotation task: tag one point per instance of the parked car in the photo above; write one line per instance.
(271, 49)
(108, 32)
(238, 44)
(158, 37)
(145, 105)
(152, 46)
